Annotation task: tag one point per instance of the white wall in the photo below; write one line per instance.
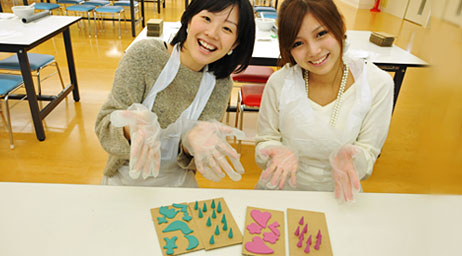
(394, 7)
(438, 8)
(360, 4)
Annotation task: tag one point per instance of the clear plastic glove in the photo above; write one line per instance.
(144, 136)
(283, 162)
(344, 172)
(206, 141)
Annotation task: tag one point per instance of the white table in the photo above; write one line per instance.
(54, 219)
(266, 52)
(18, 37)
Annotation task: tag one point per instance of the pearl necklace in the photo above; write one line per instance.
(338, 103)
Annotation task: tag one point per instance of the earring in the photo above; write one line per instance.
(230, 52)
(187, 30)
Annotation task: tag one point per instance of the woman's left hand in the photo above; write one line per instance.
(344, 172)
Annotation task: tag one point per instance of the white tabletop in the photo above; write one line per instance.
(15, 32)
(267, 46)
(47, 219)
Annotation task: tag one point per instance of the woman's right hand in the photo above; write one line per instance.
(143, 130)
(283, 162)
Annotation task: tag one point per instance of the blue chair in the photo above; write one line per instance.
(67, 3)
(47, 7)
(37, 63)
(83, 8)
(9, 84)
(109, 10)
(97, 3)
(126, 5)
(268, 15)
(264, 9)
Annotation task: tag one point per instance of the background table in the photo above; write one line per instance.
(266, 52)
(19, 38)
(53, 219)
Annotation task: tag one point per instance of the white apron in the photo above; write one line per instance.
(170, 174)
(305, 128)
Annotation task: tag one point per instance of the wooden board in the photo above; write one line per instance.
(205, 232)
(316, 221)
(182, 242)
(278, 247)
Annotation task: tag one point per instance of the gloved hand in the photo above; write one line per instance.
(144, 136)
(283, 162)
(206, 141)
(344, 172)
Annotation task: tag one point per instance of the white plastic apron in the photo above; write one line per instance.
(306, 129)
(170, 174)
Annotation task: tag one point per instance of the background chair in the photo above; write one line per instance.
(9, 84)
(158, 4)
(83, 8)
(47, 7)
(249, 95)
(126, 5)
(37, 63)
(109, 9)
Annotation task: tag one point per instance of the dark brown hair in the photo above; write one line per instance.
(240, 58)
(290, 17)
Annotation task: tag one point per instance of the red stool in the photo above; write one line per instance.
(249, 95)
(252, 74)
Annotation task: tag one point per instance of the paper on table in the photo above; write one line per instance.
(6, 16)
(35, 17)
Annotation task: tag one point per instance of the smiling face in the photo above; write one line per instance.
(315, 49)
(210, 37)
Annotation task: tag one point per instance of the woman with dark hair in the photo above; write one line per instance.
(159, 122)
(325, 115)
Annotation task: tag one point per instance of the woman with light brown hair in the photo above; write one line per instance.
(324, 116)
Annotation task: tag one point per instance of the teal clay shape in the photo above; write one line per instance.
(183, 207)
(225, 226)
(213, 204)
(217, 231)
(161, 220)
(200, 213)
(230, 234)
(212, 240)
(186, 217)
(209, 222)
(214, 215)
(192, 242)
(178, 225)
(223, 219)
(169, 213)
(170, 244)
(219, 207)
(204, 209)
(196, 206)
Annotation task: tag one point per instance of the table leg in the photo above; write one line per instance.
(398, 79)
(132, 17)
(71, 64)
(185, 4)
(31, 95)
(158, 6)
(25, 2)
(142, 13)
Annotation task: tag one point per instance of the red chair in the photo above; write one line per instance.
(249, 96)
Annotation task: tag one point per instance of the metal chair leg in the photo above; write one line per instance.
(59, 73)
(8, 118)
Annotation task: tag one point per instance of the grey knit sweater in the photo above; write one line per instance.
(134, 78)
